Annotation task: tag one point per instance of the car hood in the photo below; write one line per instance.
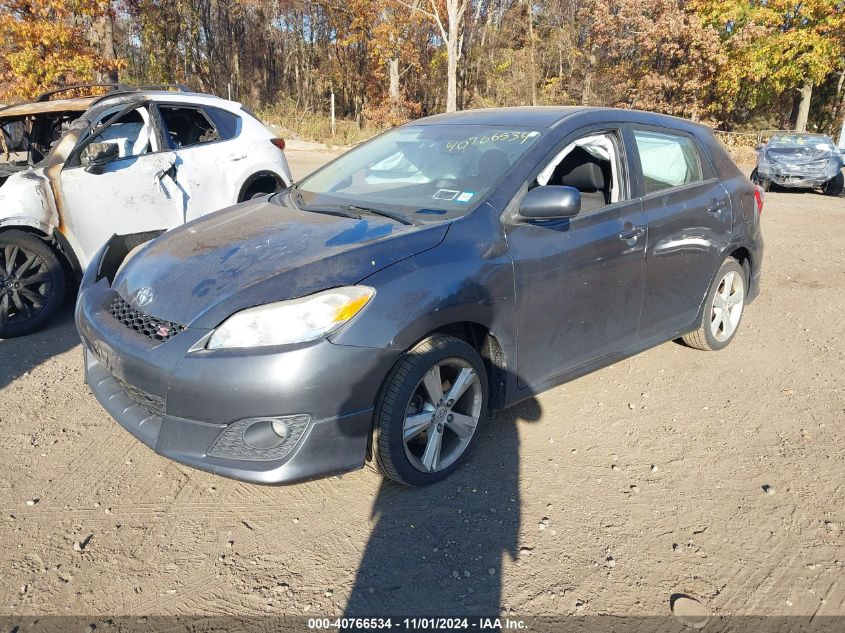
(260, 252)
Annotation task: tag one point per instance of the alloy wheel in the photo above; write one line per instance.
(25, 285)
(442, 415)
(728, 303)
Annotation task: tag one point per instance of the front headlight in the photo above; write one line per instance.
(293, 321)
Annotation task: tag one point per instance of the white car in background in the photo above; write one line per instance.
(75, 171)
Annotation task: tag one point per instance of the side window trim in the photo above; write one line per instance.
(617, 128)
(95, 130)
(707, 173)
(185, 106)
(614, 129)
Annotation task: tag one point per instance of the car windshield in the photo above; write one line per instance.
(427, 171)
(817, 141)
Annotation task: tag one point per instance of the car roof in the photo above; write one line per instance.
(522, 116)
(120, 95)
(76, 104)
(549, 116)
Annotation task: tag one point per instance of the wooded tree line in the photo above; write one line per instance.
(740, 64)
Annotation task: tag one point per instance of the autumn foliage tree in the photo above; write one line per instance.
(45, 43)
(735, 63)
(775, 46)
(657, 54)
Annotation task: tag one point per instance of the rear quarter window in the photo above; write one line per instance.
(228, 124)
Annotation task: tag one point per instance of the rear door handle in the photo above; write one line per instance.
(717, 206)
(234, 157)
(631, 232)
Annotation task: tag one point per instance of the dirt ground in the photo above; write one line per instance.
(605, 496)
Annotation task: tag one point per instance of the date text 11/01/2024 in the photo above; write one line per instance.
(412, 623)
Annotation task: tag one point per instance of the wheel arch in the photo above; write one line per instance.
(488, 346)
(56, 241)
(261, 176)
(739, 253)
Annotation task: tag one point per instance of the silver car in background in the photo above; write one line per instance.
(799, 161)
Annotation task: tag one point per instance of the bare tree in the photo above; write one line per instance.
(452, 33)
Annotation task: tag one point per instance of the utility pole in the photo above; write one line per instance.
(332, 110)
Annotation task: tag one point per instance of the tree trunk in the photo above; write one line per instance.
(108, 47)
(455, 10)
(533, 72)
(393, 71)
(804, 106)
(452, 56)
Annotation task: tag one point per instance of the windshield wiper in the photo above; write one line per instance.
(296, 200)
(393, 215)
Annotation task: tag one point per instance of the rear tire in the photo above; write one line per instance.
(835, 185)
(420, 434)
(723, 309)
(32, 283)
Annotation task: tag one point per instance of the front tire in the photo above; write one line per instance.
(32, 283)
(429, 410)
(835, 185)
(723, 309)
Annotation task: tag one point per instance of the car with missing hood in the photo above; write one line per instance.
(75, 171)
(379, 307)
(800, 161)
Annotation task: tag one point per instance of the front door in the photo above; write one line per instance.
(117, 182)
(579, 282)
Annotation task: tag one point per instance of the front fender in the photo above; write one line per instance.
(27, 200)
(468, 277)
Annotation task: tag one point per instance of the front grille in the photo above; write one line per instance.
(149, 326)
(153, 404)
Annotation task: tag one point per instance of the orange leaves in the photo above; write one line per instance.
(656, 54)
(44, 43)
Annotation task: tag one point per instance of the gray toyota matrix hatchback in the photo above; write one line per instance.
(377, 309)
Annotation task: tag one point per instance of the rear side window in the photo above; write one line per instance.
(667, 160)
(186, 127)
(227, 123)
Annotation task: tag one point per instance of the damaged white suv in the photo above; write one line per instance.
(75, 171)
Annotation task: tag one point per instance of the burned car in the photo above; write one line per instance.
(75, 171)
(800, 161)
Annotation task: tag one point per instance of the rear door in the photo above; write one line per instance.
(689, 219)
(206, 159)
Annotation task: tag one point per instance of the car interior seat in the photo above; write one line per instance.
(492, 166)
(588, 174)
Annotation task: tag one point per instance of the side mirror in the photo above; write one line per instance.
(552, 202)
(98, 154)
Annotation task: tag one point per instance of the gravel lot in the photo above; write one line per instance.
(606, 495)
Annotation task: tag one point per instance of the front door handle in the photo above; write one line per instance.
(631, 232)
(717, 206)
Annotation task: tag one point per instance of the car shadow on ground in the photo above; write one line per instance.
(20, 355)
(439, 550)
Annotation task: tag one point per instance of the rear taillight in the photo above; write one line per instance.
(278, 142)
(759, 195)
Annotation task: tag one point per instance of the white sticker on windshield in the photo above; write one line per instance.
(465, 196)
(446, 194)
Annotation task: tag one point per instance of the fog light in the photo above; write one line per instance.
(280, 428)
(260, 439)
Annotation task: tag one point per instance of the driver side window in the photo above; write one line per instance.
(126, 136)
(591, 165)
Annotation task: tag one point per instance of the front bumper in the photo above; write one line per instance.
(181, 399)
